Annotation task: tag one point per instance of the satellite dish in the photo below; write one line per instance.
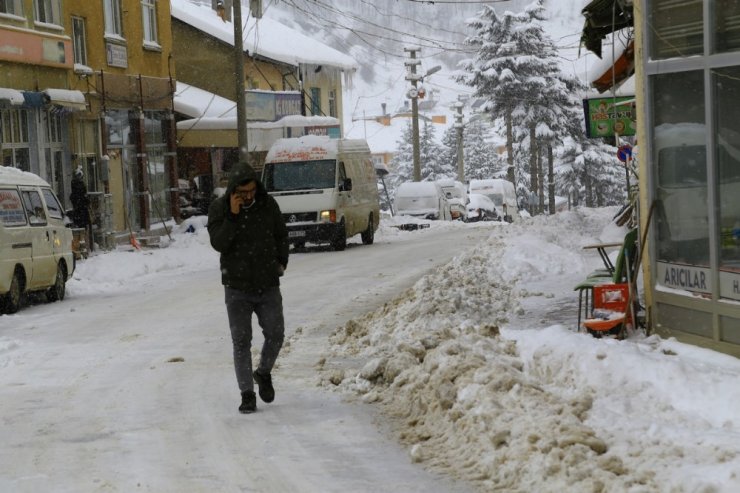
(412, 93)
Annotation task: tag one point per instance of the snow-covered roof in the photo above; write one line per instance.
(264, 37)
(195, 102)
(13, 96)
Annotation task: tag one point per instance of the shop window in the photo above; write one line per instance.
(315, 101)
(14, 139)
(727, 148)
(49, 11)
(149, 19)
(727, 25)
(79, 40)
(333, 103)
(676, 28)
(112, 12)
(12, 7)
(681, 157)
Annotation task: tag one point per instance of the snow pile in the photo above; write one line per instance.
(532, 410)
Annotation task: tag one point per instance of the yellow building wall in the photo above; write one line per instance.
(26, 76)
(642, 161)
(142, 60)
(208, 63)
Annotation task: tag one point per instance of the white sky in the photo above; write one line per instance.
(90, 402)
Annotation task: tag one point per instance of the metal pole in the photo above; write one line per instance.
(460, 153)
(241, 97)
(413, 95)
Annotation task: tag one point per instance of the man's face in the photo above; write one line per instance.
(247, 192)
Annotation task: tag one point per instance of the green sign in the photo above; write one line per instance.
(608, 116)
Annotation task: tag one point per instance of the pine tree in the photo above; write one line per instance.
(499, 68)
(433, 162)
(402, 164)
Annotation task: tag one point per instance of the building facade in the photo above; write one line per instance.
(37, 100)
(126, 140)
(95, 81)
(689, 137)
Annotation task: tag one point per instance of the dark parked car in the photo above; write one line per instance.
(481, 208)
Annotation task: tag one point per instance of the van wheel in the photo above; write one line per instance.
(12, 300)
(368, 236)
(339, 242)
(57, 291)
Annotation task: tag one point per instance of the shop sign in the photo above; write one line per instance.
(260, 106)
(332, 131)
(35, 48)
(606, 117)
(729, 285)
(116, 55)
(687, 277)
(287, 104)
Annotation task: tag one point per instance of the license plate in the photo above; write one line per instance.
(295, 234)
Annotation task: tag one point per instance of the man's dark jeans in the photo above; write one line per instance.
(268, 305)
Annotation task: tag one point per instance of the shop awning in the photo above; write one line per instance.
(622, 69)
(72, 100)
(11, 97)
(604, 17)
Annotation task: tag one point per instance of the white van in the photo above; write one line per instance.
(501, 192)
(424, 199)
(326, 189)
(35, 245)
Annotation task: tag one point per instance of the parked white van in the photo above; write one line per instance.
(326, 189)
(35, 245)
(501, 192)
(424, 199)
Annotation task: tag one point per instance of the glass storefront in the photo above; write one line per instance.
(727, 22)
(694, 128)
(122, 128)
(727, 149)
(680, 134)
(676, 28)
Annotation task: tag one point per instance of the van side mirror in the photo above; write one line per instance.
(346, 185)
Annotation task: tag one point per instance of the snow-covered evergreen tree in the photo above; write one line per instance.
(402, 164)
(433, 162)
(504, 61)
(480, 159)
(589, 174)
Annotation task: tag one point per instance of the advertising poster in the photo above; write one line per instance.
(608, 116)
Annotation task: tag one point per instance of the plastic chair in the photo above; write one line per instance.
(623, 272)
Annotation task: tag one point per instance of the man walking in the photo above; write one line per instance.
(246, 226)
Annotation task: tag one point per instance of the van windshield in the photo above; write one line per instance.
(300, 175)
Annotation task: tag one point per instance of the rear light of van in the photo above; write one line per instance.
(328, 216)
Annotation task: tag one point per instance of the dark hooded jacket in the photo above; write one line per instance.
(253, 243)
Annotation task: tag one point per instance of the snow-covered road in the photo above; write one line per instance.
(129, 385)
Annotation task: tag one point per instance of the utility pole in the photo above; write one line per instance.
(459, 126)
(241, 96)
(413, 94)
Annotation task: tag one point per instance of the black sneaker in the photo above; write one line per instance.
(249, 403)
(264, 381)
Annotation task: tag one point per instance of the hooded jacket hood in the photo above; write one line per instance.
(241, 173)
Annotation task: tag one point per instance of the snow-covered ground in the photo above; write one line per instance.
(474, 368)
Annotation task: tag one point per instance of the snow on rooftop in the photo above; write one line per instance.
(195, 102)
(264, 37)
